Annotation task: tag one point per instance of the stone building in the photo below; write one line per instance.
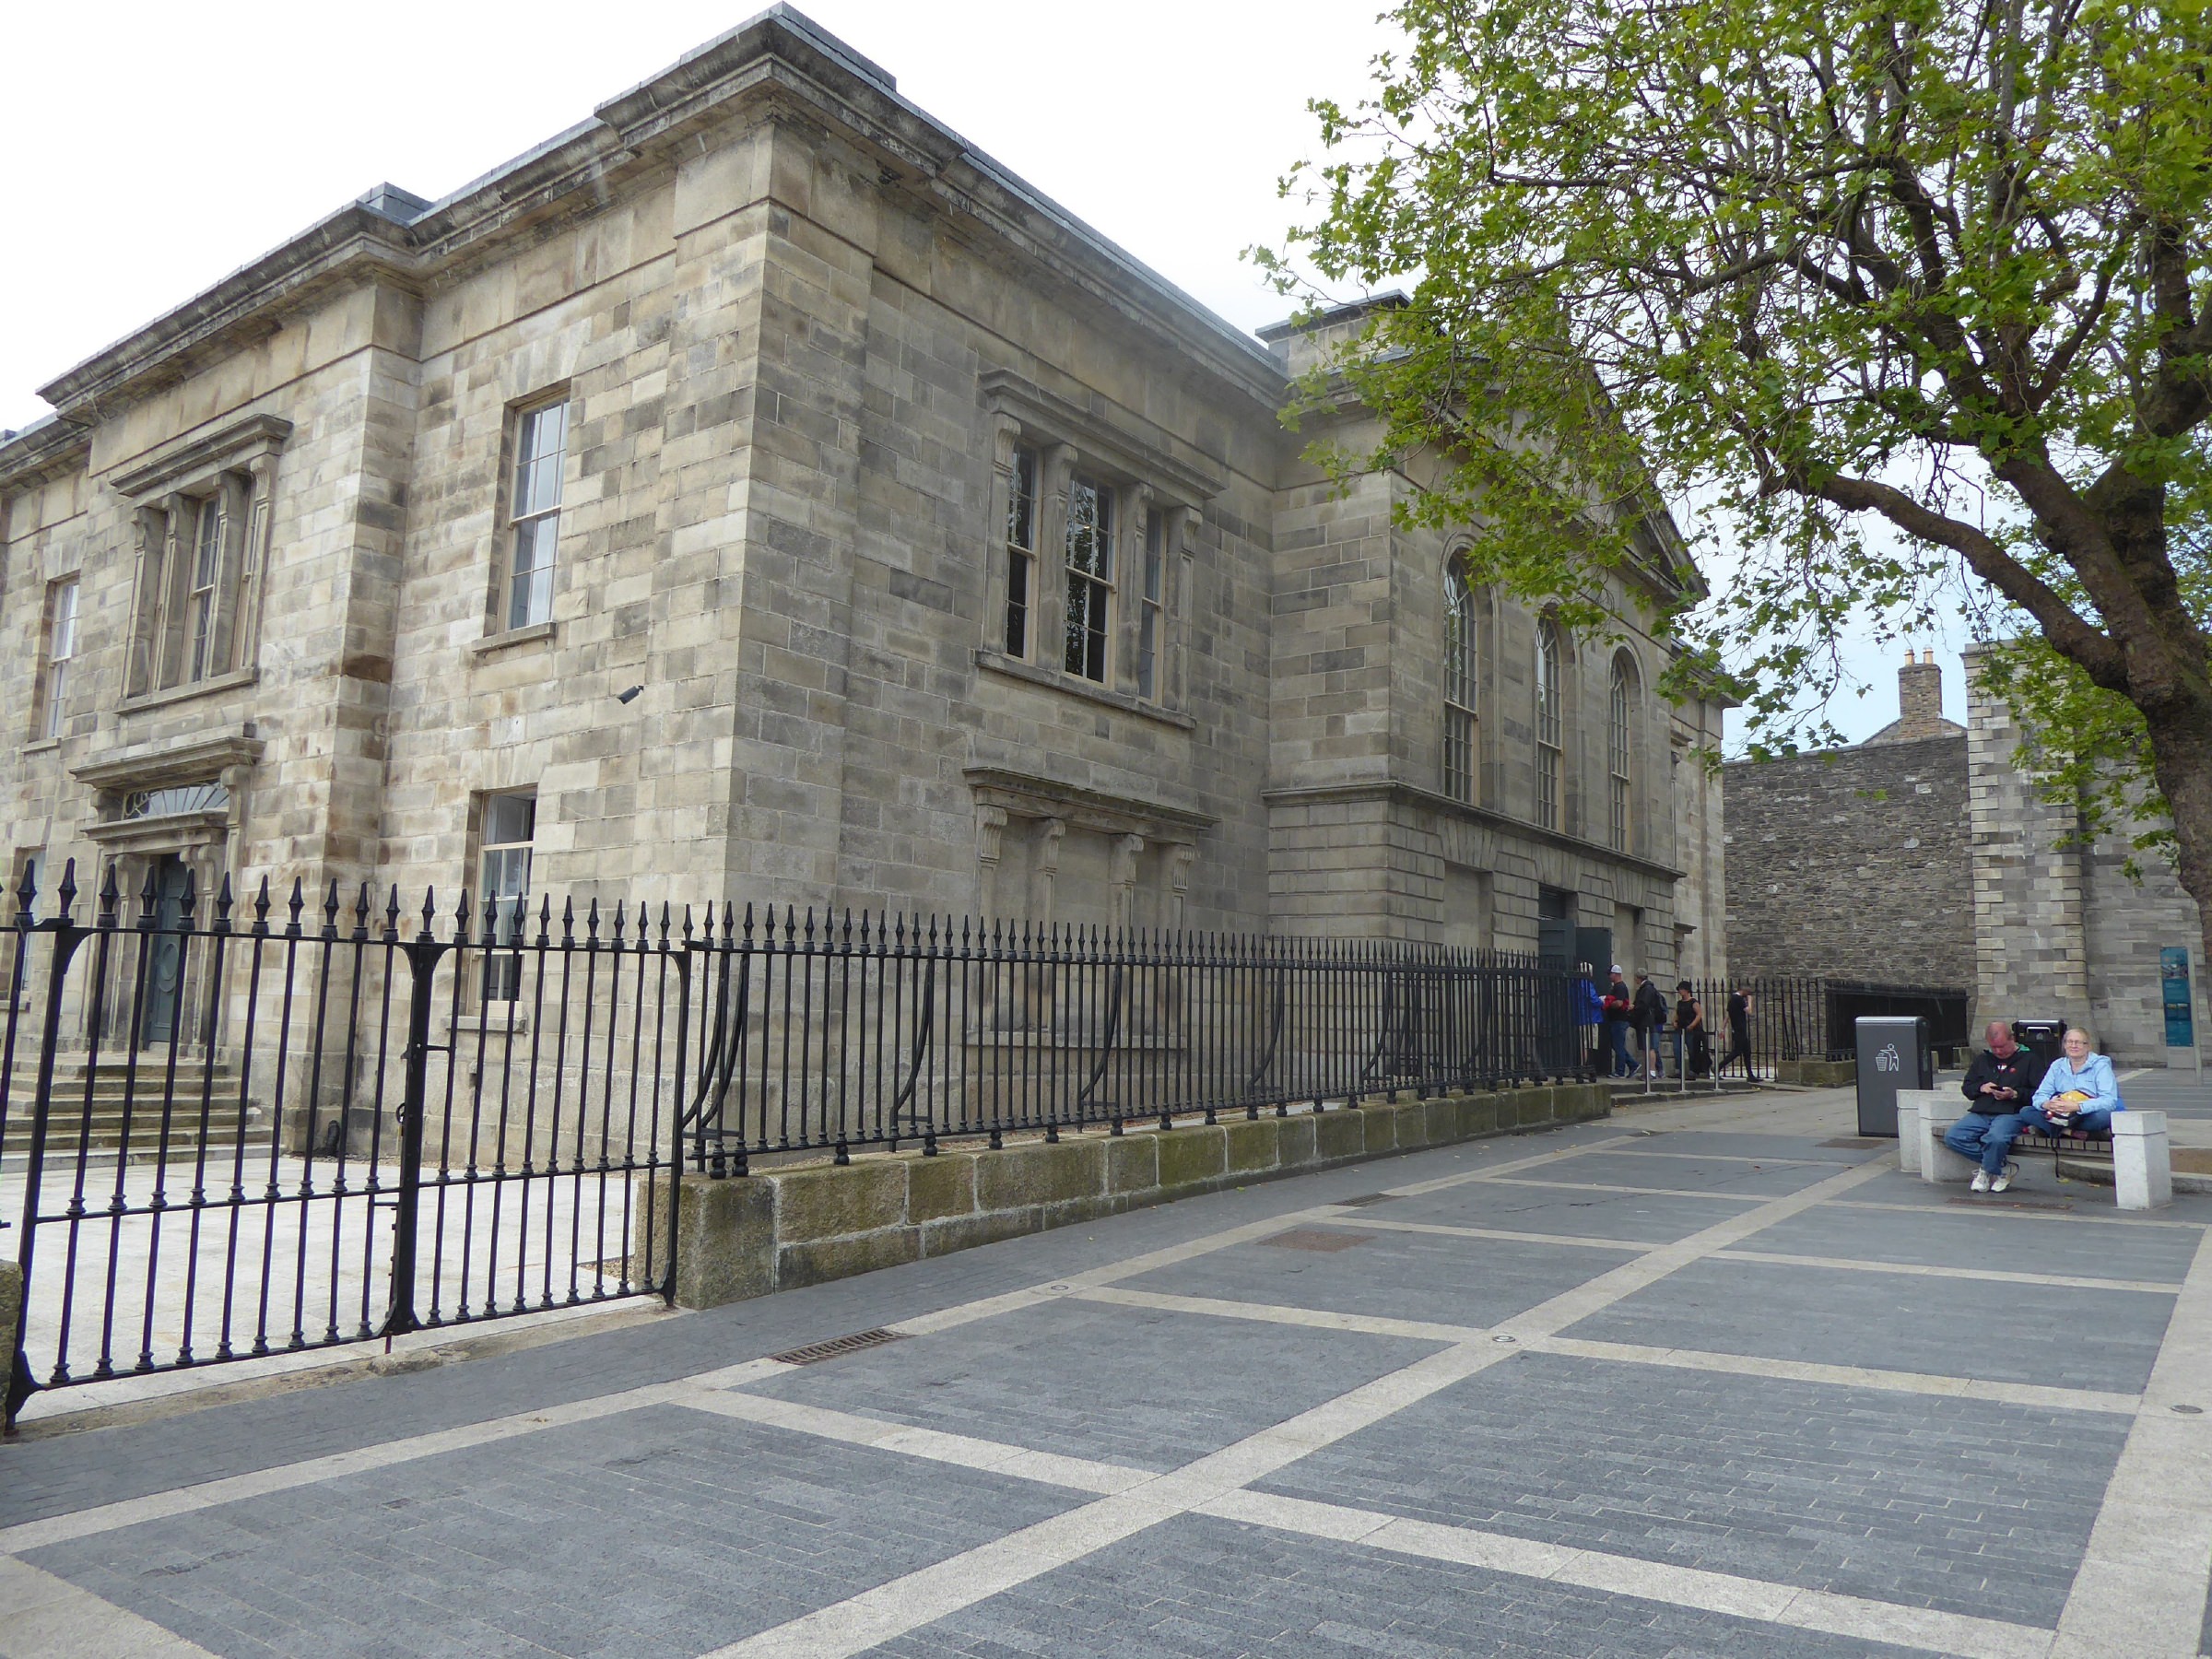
(753, 491)
(1855, 862)
(1924, 856)
(2061, 929)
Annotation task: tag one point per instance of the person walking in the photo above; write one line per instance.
(1693, 1047)
(1616, 1006)
(1739, 1034)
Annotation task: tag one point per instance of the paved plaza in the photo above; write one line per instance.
(1706, 1379)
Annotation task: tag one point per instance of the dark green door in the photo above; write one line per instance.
(165, 958)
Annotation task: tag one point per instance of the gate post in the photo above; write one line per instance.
(422, 953)
(67, 936)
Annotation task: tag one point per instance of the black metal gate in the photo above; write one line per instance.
(235, 1133)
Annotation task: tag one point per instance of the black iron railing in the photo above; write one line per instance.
(1784, 1018)
(230, 1129)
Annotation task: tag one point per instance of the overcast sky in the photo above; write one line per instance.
(219, 130)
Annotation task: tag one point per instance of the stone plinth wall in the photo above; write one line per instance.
(748, 1236)
(1853, 864)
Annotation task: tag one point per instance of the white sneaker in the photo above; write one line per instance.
(2005, 1179)
(1981, 1181)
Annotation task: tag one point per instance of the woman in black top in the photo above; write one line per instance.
(1691, 1044)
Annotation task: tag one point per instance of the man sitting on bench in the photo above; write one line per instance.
(1998, 1086)
(2077, 1095)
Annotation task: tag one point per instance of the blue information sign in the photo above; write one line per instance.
(2180, 1011)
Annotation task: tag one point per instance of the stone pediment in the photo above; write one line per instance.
(163, 765)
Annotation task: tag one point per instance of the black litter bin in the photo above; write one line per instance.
(1893, 1054)
(2046, 1039)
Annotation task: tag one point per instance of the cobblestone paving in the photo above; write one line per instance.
(1163, 1435)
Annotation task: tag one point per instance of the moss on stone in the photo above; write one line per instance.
(940, 1186)
(1189, 1156)
(1253, 1146)
(839, 1200)
(825, 1259)
(1040, 1172)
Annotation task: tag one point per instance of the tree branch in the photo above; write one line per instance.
(2098, 656)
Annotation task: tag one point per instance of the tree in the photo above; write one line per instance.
(1914, 295)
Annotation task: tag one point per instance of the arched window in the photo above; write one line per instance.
(1463, 664)
(1621, 748)
(1548, 725)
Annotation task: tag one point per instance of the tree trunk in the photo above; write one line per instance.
(2181, 760)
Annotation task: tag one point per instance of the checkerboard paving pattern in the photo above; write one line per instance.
(1716, 1390)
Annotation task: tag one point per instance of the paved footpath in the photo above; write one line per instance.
(1705, 1380)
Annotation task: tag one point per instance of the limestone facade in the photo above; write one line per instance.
(2062, 930)
(769, 364)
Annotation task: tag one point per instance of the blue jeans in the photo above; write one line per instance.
(2086, 1123)
(1986, 1140)
(1616, 1039)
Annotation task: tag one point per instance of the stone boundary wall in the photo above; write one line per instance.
(747, 1236)
(1851, 863)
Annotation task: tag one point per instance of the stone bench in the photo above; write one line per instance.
(2141, 1159)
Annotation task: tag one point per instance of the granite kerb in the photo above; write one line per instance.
(776, 1230)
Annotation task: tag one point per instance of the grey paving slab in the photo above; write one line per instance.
(2073, 1197)
(54, 1476)
(1753, 1180)
(1144, 1389)
(655, 1535)
(1732, 1142)
(2053, 1335)
(1399, 1276)
(1197, 1588)
(2010, 1242)
(1967, 1506)
(1641, 1218)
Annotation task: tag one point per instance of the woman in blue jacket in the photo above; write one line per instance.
(2081, 1070)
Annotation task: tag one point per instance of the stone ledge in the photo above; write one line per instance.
(1817, 1074)
(750, 1235)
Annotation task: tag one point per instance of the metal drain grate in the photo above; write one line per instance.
(1365, 1199)
(814, 1353)
(1859, 1143)
(1313, 1238)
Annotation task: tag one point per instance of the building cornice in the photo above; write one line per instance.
(1400, 793)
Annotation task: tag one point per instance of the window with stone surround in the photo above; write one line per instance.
(1021, 552)
(201, 526)
(507, 825)
(1463, 668)
(1090, 577)
(540, 448)
(1621, 748)
(1549, 736)
(196, 563)
(61, 651)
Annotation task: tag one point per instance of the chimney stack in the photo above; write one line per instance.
(1920, 693)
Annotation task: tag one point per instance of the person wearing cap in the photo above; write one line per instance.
(1617, 1007)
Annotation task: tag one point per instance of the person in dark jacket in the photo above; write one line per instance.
(1999, 1084)
(1647, 1012)
(1739, 1034)
(1693, 1049)
(1617, 1005)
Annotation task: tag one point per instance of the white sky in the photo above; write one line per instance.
(219, 130)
